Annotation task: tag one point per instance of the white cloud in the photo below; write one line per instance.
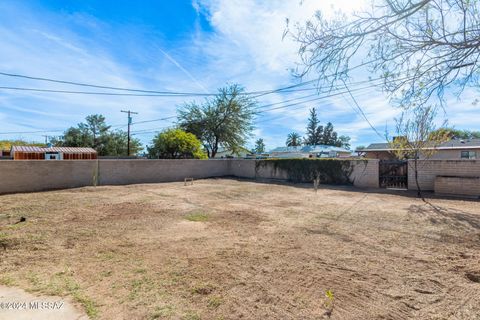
(51, 48)
(246, 47)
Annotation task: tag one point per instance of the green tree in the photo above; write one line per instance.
(97, 127)
(293, 140)
(315, 131)
(74, 137)
(318, 134)
(329, 136)
(452, 133)
(176, 144)
(225, 120)
(343, 142)
(94, 133)
(259, 146)
(7, 144)
(115, 144)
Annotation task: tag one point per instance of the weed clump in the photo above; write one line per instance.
(197, 217)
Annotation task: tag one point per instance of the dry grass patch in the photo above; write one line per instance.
(224, 249)
(197, 217)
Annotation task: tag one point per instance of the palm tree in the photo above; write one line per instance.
(294, 140)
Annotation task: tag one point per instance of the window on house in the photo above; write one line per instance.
(468, 155)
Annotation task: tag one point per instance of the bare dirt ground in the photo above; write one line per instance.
(226, 249)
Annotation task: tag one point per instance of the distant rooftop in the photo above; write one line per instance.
(451, 144)
(34, 149)
(310, 149)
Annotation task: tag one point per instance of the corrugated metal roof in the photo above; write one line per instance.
(26, 149)
(34, 149)
(71, 150)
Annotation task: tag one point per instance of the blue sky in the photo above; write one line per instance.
(194, 46)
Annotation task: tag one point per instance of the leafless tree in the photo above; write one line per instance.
(417, 138)
(417, 47)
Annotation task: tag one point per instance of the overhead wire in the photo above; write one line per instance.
(147, 93)
(334, 89)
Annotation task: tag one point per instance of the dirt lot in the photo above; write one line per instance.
(226, 249)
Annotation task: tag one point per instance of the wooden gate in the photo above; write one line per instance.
(393, 174)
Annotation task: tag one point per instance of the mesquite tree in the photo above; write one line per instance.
(226, 120)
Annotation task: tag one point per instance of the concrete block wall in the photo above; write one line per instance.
(36, 175)
(241, 168)
(117, 172)
(268, 172)
(364, 173)
(428, 170)
(469, 186)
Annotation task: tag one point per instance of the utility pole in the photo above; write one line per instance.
(46, 139)
(129, 113)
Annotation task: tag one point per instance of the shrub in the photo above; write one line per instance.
(330, 171)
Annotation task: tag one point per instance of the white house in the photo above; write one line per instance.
(317, 151)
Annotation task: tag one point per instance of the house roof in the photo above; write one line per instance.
(451, 144)
(223, 149)
(310, 149)
(34, 149)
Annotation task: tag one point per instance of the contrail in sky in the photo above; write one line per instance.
(179, 66)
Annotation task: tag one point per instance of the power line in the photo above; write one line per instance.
(297, 108)
(27, 132)
(135, 94)
(144, 93)
(154, 120)
(311, 100)
(96, 86)
(164, 93)
(333, 94)
(172, 117)
(145, 131)
(93, 93)
(259, 107)
(361, 111)
(154, 93)
(153, 130)
(284, 101)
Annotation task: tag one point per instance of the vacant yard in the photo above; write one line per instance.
(226, 249)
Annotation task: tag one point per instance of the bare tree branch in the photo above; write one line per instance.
(433, 43)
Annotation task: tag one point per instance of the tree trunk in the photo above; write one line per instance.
(419, 191)
(214, 149)
(207, 149)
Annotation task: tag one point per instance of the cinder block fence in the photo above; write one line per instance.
(455, 177)
(445, 176)
(30, 175)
